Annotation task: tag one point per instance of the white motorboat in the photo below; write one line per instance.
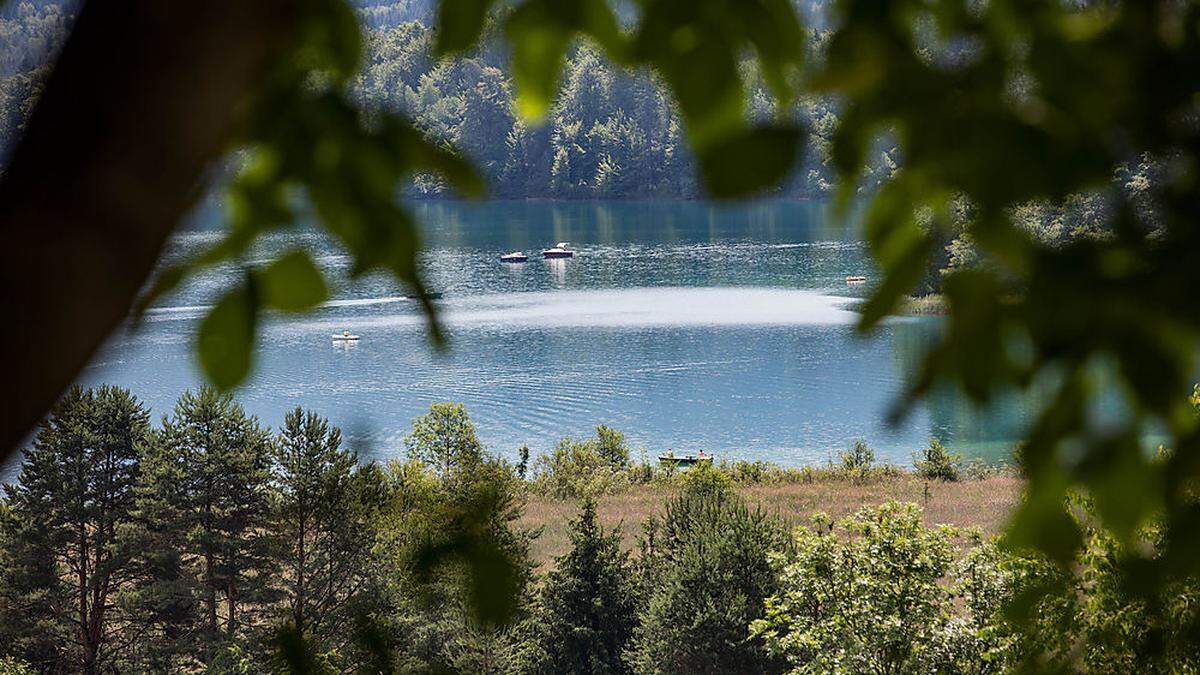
(514, 257)
(345, 336)
(560, 250)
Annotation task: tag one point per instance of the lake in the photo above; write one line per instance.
(687, 325)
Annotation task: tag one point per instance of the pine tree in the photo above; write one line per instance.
(325, 512)
(587, 604)
(66, 560)
(207, 501)
(705, 573)
(164, 600)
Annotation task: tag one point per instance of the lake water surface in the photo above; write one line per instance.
(686, 325)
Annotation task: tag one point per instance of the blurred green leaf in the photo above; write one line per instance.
(540, 31)
(292, 283)
(332, 40)
(459, 24)
(225, 340)
(749, 162)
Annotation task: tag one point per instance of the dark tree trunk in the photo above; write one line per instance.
(145, 96)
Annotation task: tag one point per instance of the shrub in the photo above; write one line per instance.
(937, 463)
(862, 597)
(858, 459)
(704, 479)
(587, 468)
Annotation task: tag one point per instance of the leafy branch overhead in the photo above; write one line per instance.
(1010, 102)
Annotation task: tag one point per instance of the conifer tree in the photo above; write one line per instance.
(587, 604)
(65, 558)
(209, 500)
(326, 510)
(705, 573)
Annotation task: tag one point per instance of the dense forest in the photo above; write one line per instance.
(611, 133)
(210, 542)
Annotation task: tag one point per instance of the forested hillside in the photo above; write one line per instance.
(611, 133)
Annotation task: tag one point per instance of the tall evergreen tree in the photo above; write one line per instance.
(326, 511)
(207, 497)
(705, 573)
(587, 605)
(66, 559)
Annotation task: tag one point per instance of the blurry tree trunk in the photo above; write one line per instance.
(145, 95)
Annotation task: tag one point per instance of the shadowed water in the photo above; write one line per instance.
(687, 325)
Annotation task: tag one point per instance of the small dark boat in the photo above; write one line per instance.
(560, 250)
(514, 257)
(672, 459)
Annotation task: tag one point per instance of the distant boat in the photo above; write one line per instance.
(514, 257)
(855, 279)
(672, 459)
(560, 250)
(345, 336)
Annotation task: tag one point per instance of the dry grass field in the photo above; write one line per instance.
(983, 503)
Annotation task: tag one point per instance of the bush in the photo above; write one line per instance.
(858, 459)
(585, 469)
(704, 479)
(937, 463)
(879, 592)
(862, 597)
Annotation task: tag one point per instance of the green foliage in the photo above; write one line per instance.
(204, 509)
(1030, 110)
(880, 592)
(463, 569)
(225, 340)
(67, 556)
(444, 439)
(583, 469)
(858, 459)
(292, 283)
(705, 571)
(935, 462)
(703, 479)
(460, 520)
(869, 601)
(587, 608)
(11, 666)
(325, 508)
(1055, 98)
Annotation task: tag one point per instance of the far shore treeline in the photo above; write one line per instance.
(211, 543)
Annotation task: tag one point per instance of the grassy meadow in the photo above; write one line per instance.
(982, 503)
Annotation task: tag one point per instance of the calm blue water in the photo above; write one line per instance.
(686, 325)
